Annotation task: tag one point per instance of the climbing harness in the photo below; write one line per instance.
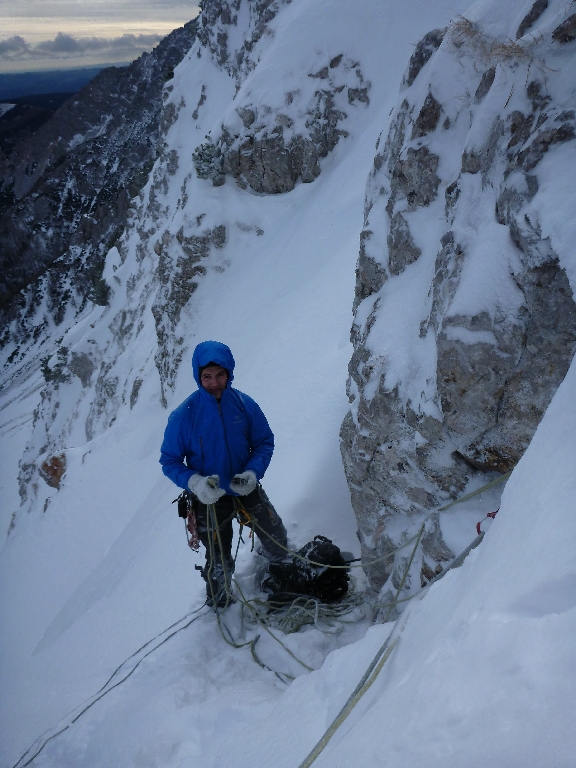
(186, 511)
(245, 520)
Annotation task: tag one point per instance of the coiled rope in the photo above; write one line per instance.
(289, 618)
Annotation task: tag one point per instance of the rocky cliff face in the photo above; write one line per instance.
(137, 226)
(65, 191)
(465, 322)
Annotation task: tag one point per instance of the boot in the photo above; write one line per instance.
(218, 587)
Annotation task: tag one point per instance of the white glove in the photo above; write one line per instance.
(244, 483)
(206, 488)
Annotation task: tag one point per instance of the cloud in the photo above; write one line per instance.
(64, 46)
(13, 46)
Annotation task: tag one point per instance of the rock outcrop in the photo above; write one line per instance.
(270, 147)
(465, 321)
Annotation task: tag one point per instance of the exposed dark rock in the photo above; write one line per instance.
(534, 91)
(270, 165)
(414, 178)
(135, 391)
(178, 269)
(531, 17)
(402, 250)
(520, 127)
(104, 406)
(82, 366)
(428, 117)
(494, 396)
(485, 84)
(358, 94)
(395, 139)
(370, 275)
(471, 162)
(218, 15)
(531, 156)
(424, 50)
(496, 371)
(447, 268)
(268, 156)
(201, 102)
(566, 32)
(525, 233)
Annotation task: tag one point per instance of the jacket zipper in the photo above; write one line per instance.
(225, 438)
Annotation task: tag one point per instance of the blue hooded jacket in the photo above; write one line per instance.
(210, 438)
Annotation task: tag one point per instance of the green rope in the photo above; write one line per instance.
(337, 567)
(346, 710)
(289, 618)
(369, 676)
(303, 610)
(211, 517)
(246, 603)
(391, 552)
(44, 739)
(420, 532)
(498, 480)
(384, 651)
(456, 563)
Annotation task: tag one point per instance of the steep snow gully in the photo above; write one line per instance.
(248, 232)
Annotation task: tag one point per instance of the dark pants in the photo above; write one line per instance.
(216, 534)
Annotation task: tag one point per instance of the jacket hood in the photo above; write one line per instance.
(212, 352)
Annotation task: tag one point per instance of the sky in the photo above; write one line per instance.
(60, 34)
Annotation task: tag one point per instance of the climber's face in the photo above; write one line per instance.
(214, 380)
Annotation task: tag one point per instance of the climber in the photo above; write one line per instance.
(217, 445)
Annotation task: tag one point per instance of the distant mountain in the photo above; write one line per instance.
(13, 85)
(49, 101)
(21, 121)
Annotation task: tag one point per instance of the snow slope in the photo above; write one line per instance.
(483, 671)
(94, 570)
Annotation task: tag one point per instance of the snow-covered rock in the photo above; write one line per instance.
(465, 322)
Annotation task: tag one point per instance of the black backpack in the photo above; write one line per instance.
(286, 581)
